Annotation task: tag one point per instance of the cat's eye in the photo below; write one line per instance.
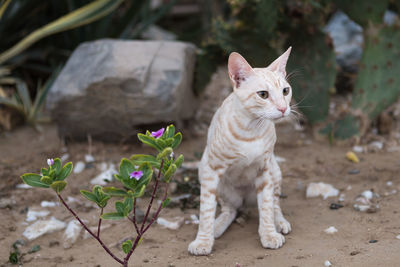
(286, 90)
(263, 94)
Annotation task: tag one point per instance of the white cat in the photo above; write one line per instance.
(238, 161)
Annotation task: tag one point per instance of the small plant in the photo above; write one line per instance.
(135, 175)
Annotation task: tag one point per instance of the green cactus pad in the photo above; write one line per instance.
(362, 11)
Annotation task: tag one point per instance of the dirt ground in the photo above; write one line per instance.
(307, 161)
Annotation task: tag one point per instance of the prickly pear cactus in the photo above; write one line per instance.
(313, 65)
(364, 11)
(378, 83)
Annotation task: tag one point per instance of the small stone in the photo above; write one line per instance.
(33, 215)
(354, 171)
(173, 224)
(335, 206)
(398, 237)
(327, 263)
(373, 241)
(46, 204)
(71, 233)
(79, 167)
(42, 227)
(389, 183)
(146, 260)
(7, 203)
(321, 189)
(105, 176)
(355, 252)
(331, 230)
(376, 145)
(358, 149)
(89, 158)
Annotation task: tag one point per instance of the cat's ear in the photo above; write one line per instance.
(239, 69)
(279, 65)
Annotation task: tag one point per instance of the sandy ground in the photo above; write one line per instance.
(306, 161)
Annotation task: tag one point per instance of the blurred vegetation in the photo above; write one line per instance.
(33, 47)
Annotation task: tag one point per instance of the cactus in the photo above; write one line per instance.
(314, 60)
(377, 85)
(364, 11)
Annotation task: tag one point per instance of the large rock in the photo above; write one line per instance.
(110, 87)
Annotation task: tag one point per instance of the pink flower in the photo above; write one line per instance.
(50, 162)
(136, 174)
(158, 133)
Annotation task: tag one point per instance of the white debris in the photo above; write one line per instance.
(193, 165)
(389, 183)
(393, 192)
(48, 204)
(33, 215)
(71, 199)
(194, 218)
(327, 263)
(368, 194)
(358, 149)
(331, 230)
(376, 145)
(64, 157)
(398, 236)
(321, 189)
(280, 159)
(174, 224)
(23, 186)
(367, 202)
(89, 158)
(42, 227)
(105, 175)
(342, 197)
(79, 167)
(71, 233)
(349, 187)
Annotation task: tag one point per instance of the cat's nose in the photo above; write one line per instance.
(282, 109)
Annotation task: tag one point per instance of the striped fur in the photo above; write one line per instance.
(238, 161)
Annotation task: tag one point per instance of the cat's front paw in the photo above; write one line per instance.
(200, 247)
(272, 240)
(283, 226)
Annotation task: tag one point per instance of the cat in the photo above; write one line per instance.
(238, 161)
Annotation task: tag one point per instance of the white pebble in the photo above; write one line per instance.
(358, 149)
(106, 175)
(398, 236)
(321, 189)
(368, 194)
(32, 215)
(64, 157)
(71, 233)
(79, 167)
(50, 204)
(349, 187)
(331, 230)
(195, 219)
(23, 186)
(327, 263)
(174, 224)
(376, 144)
(389, 183)
(89, 158)
(40, 228)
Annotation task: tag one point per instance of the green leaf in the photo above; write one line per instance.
(170, 131)
(58, 186)
(128, 202)
(115, 192)
(34, 249)
(65, 171)
(141, 158)
(112, 216)
(168, 174)
(56, 166)
(126, 168)
(139, 193)
(103, 202)
(166, 202)
(127, 246)
(89, 195)
(33, 179)
(178, 162)
(177, 140)
(161, 143)
(165, 153)
(46, 180)
(45, 172)
(120, 207)
(118, 177)
(149, 140)
(147, 174)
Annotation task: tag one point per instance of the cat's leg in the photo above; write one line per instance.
(269, 237)
(281, 224)
(204, 241)
(224, 220)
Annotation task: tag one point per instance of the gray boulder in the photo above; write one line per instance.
(110, 87)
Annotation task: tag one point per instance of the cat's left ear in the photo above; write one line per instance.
(279, 65)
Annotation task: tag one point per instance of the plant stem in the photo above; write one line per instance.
(153, 195)
(158, 210)
(134, 217)
(90, 232)
(98, 227)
